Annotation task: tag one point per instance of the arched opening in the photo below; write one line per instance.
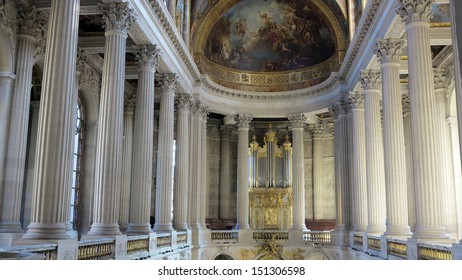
(223, 257)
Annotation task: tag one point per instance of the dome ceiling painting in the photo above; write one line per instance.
(268, 45)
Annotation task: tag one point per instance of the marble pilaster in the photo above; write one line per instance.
(317, 132)
(225, 172)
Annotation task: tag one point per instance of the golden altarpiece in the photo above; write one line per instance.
(270, 192)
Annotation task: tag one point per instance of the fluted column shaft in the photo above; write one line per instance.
(447, 181)
(342, 192)
(165, 153)
(388, 51)
(409, 161)
(298, 174)
(225, 170)
(6, 93)
(317, 131)
(15, 164)
(141, 180)
(359, 180)
(181, 189)
(194, 166)
(243, 122)
(457, 167)
(203, 167)
(127, 154)
(376, 201)
(427, 171)
(117, 18)
(51, 189)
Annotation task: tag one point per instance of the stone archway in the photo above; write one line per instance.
(223, 257)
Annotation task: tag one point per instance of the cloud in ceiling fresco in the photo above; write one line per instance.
(270, 35)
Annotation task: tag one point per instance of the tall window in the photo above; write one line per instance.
(76, 168)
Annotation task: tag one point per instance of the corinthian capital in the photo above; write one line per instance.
(440, 78)
(356, 100)
(415, 10)
(7, 22)
(406, 103)
(183, 101)
(117, 16)
(317, 130)
(30, 22)
(243, 121)
(370, 79)
(297, 120)
(129, 102)
(389, 50)
(147, 56)
(167, 81)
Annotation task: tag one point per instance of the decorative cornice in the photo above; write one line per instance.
(157, 6)
(167, 81)
(183, 101)
(406, 103)
(117, 16)
(147, 56)
(370, 79)
(321, 88)
(389, 50)
(440, 78)
(356, 100)
(297, 120)
(243, 121)
(361, 34)
(415, 10)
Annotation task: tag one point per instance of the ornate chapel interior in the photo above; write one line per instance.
(216, 129)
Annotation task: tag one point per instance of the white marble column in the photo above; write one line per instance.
(54, 144)
(243, 122)
(427, 171)
(388, 52)
(117, 18)
(164, 188)
(181, 189)
(457, 167)
(342, 187)
(127, 154)
(456, 28)
(30, 27)
(409, 160)
(358, 154)
(194, 165)
(447, 180)
(6, 93)
(225, 173)
(371, 81)
(297, 123)
(317, 132)
(141, 179)
(204, 111)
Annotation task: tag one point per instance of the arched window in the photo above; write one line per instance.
(76, 164)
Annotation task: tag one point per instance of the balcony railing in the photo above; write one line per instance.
(321, 237)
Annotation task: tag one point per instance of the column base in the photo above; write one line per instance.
(398, 232)
(46, 231)
(375, 229)
(425, 232)
(196, 226)
(359, 228)
(163, 228)
(99, 230)
(181, 227)
(11, 228)
(123, 227)
(242, 226)
(299, 227)
(134, 229)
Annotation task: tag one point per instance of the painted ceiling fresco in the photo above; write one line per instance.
(270, 35)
